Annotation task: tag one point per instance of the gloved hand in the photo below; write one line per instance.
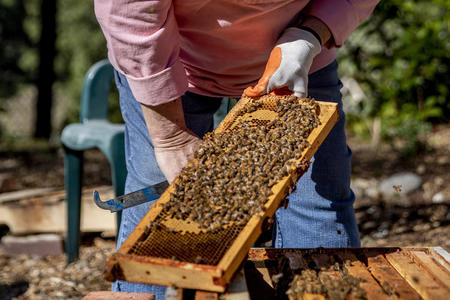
(288, 64)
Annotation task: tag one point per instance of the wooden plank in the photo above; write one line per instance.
(427, 262)
(359, 270)
(265, 273)
(164, 272)
(420, 280)
(385, 274)
(441, 256)
(307, 296)
(44, 210)
(28, 193)
(323, 261)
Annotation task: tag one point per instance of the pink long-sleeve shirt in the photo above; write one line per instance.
(210, 47)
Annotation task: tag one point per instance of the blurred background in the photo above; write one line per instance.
(395, 70)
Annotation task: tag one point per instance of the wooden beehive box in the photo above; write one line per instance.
(386, 273)
(165, 258)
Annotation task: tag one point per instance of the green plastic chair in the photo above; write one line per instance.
(93, 131)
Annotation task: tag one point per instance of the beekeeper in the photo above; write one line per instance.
(175, 60)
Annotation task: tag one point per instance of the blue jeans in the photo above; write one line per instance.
(320, 212)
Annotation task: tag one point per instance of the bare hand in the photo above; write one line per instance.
(173, 154)
(173, 142)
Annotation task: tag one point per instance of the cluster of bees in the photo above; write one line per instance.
(313, 282)
(234, 171)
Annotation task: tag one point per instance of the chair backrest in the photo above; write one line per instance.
(96, 88)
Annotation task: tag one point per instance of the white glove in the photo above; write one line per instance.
(288, 64)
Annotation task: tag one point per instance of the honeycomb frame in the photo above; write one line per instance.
(167, 266)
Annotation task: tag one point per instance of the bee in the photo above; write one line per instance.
(397, 188)
(198, 259)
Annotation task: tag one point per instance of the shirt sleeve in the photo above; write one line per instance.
(341, 16)
(143, 43)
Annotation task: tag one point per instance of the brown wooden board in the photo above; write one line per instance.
(44, 210)
(388, 277)
(173, 272)
(380, 279)
(387, 273)
(307, 296)
(423, 282)
(359, 270)
(323, 261)
(428, 263)
(441, 256)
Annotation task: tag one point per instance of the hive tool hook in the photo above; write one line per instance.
(150, 193)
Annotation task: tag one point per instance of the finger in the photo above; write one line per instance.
(300, 88)
(255, 91)
(272, 65)
(281, 91)
(300, 94)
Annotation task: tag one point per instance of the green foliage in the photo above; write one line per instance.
(15, 42)
(29, 58)
(401, 57)
(80, 44)
(405, 128)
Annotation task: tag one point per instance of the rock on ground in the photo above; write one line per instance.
(400, 183)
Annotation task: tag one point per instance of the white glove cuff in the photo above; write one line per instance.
(293, 34)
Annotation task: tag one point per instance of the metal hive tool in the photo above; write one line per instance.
(184, 255)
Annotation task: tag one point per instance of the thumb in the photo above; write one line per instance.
(272, 65)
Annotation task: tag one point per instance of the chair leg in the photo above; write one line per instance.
(73, 172)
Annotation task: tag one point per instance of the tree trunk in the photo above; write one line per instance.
(46, 75)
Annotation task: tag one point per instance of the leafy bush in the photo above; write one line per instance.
(15, 43)
(400, 57)
(80, 44)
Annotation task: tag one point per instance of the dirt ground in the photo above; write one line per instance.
(416, 219)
